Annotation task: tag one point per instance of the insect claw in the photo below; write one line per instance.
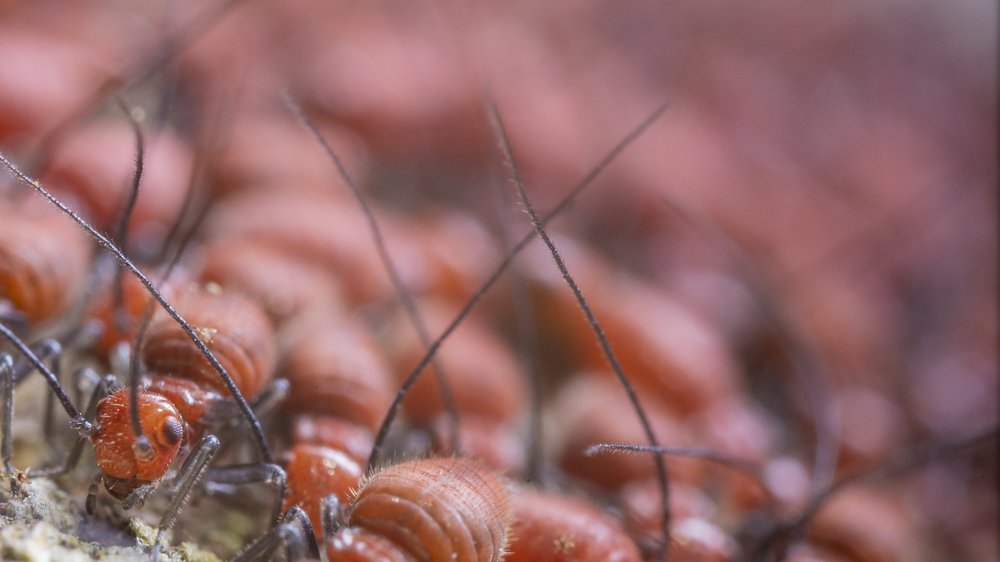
(83, 427)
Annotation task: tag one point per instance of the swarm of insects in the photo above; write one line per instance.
(429, 282)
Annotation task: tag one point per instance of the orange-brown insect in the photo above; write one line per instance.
(268, 152)
(455, 253)
(589, 410)
(316, 471)
(672, 354)
(561, 528)
(426, 510)
(292, 291)
(184, 392)
(119, 317)
(864, 525)
(43, 261)
(340, 391)
(336, 369)
(487, 382)
(324, 232)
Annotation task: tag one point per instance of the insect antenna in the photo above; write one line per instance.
(524, 319)
(142, 444)
(121, 229)
(258, 432)
(567, 200)
(404, 295)
(746, 467)
(661, 467)
(78, 421)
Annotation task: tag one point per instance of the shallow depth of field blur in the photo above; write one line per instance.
(825, 179)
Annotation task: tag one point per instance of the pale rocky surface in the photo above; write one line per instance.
(39, 522)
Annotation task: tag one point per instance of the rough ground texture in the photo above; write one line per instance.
(40, 522)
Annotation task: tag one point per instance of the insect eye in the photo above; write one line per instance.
(171, 431)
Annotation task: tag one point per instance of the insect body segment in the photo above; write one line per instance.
(429, 510)
(340, 391)
(182, 400)
(234, 328)
(560, 528)
(337, 369)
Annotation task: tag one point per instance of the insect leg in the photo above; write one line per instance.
(92, 491)
(295, 533)
(46, 350)
(102, 389)
(331, 515)
(271, 397)
(270, 474)
(55, 363)
(193, 468)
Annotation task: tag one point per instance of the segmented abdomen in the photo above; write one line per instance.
(232, 327)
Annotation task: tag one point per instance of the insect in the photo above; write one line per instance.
(488, 384)
(43, 262)
(724, 156)
(294, 293)
(180, 403)
(131, 463)
(450, 509)
(324, 233)
(427, 509)
(553, 527)
(676, 357)
(340, 390)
